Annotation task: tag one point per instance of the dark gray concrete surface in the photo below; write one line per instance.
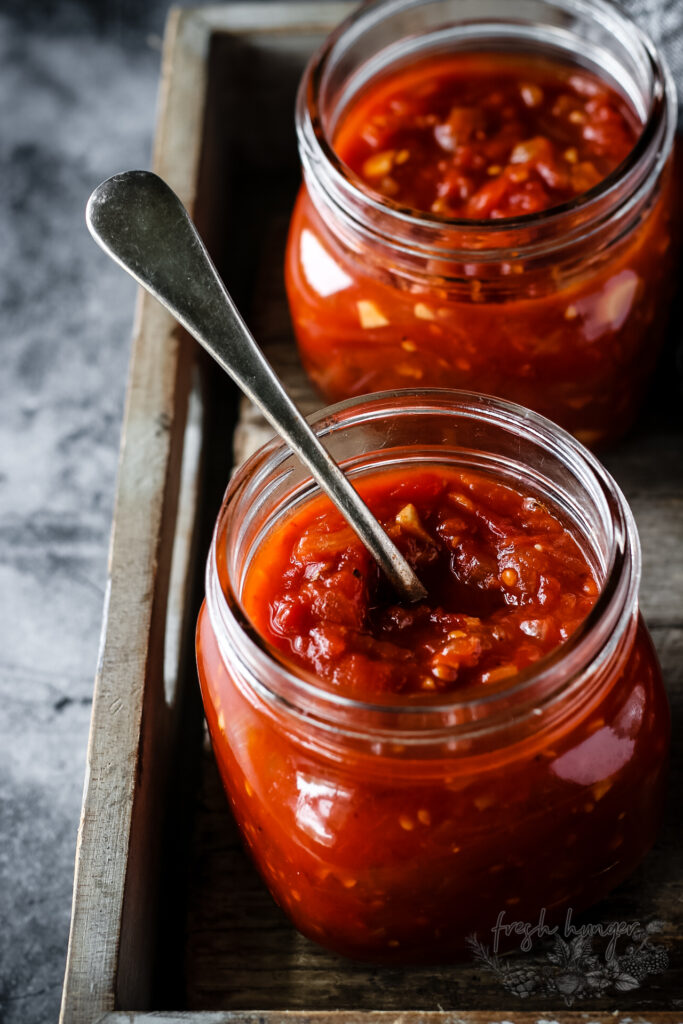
(77, 103)
(78, 86)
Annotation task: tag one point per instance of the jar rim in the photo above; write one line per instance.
(595, 639)
(640, 168)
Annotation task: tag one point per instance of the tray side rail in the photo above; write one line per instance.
(132, 722)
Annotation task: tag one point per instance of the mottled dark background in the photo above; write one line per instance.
(78, 85)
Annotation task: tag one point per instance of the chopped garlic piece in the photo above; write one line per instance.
(379, 164)
(531, 94)
(424, 312)
(523, 152)
(445, 673)
(615, 305)
(409, 520)
(370, 315)
(406, 370)
(495, 675)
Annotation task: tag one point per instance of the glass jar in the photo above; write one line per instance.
(378, 827)
(562, 311)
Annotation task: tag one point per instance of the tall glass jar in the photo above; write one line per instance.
(562, 311)
(379, 827)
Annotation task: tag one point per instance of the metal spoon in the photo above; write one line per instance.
(142, 224)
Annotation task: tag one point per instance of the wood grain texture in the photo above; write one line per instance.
(224, 951)
(387, 1017)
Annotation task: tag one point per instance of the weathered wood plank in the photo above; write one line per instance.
(388, 1017)
(118, 849)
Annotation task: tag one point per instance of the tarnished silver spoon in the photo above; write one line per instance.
(141, 223)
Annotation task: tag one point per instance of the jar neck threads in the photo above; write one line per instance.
(385, 33)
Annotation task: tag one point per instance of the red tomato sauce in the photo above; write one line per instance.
(486, 135)
(507, 583)
(395, 859)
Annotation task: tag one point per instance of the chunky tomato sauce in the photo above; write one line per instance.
(392, 853)
(487, 136)
(573, 333)
(507, 584)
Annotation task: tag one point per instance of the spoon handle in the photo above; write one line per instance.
(141, 223)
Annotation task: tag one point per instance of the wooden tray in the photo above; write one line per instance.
(170, 921)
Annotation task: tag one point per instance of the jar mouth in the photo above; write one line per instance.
(472, 709)
(625, 187)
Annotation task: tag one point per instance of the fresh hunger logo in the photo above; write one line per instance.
(573, 968)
